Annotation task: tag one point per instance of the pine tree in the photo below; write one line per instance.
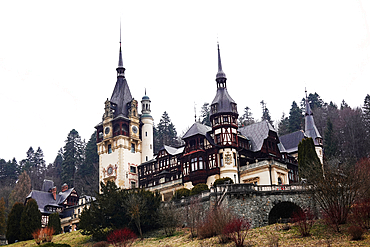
(330, 144)
(265, 113)
(246, 119)
(165, 133)
(283, 126)
(366, 114)
(88, 173)
(54, 222)
(309, 164)
(2, 217)
(295, 118)
(30, 220)
(73, 156)
(205, 112)
(21, 189)
(54, 169)
(13, 231)
(9, 172)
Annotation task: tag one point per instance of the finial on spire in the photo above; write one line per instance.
(120, 69)
(220, 76)
(145, 91)
(195, 112)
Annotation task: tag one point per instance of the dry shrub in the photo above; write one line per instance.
(237, 231)
(214, 224)
(43, 235)
(360, 213)
(304, 219)
(101, 244)
(121, 237)
(356, 232)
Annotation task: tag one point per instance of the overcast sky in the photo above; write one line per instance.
(58, 60)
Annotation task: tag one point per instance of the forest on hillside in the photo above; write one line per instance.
(345, 131)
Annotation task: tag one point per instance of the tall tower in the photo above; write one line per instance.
(118, 138)
(146, 129)
(311, 131)
(224, 123)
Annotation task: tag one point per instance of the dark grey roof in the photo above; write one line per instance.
(223, 101)
(43, 199)
(197, 129)
(121, 96)
(291, 141)
(257, 133)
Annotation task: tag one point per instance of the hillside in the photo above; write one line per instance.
(321, 236)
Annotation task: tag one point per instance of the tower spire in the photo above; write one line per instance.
(220, 76)
(120, 69)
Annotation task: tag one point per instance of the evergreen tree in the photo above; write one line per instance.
(34, 164)
(13, 231)
(105, 212)
(54, 169)
(315, 101)
(30, 220)
(330, 145)
(21, 189)
(165, 133)
(205, 112)
(73, 156)
(9, 172)
(295, 118)
(309, 165)
(283, 126)
(366, 114)
(2, 217)
(54, 222)
(88, 173)
(246, 119)
(265, 113)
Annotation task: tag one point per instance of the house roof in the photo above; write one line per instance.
(121, 96)
(44, 198)
(257, 133)
(291, 141)
(197, 129)
(172, 150)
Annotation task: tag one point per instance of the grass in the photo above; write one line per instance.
(321, 235)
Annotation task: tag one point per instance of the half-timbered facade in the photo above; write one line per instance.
(250, 154)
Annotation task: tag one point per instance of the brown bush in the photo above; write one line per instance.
(356, 232)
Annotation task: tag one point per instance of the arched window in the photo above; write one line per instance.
(280, 181)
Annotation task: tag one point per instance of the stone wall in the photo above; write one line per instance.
(246, 200)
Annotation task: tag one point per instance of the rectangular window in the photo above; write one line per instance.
(132, 148)
(221, 160)
(133, 169)
(109, 148)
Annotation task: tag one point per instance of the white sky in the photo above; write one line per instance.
(58, 60)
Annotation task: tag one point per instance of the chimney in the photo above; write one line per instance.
(54, 191)
(64, 187)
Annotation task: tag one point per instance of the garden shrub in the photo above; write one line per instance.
(43, 235)
(304, 219)
(360, 213)
(237, 231)
(121, 237)
(225, 180)
(197, 189)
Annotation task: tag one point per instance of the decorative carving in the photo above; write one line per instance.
(228, 158)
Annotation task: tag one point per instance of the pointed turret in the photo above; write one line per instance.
(222, 102)
(310, 127)
(121, 95)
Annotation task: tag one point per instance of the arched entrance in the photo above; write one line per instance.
(282, 212)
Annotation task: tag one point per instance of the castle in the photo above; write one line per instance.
(249, 154)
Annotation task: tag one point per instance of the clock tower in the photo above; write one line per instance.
(119, 141)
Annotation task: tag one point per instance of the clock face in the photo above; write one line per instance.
(107, 129)
(110, 170)
(134, 129)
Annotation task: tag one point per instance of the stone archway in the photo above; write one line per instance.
(282, 212)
